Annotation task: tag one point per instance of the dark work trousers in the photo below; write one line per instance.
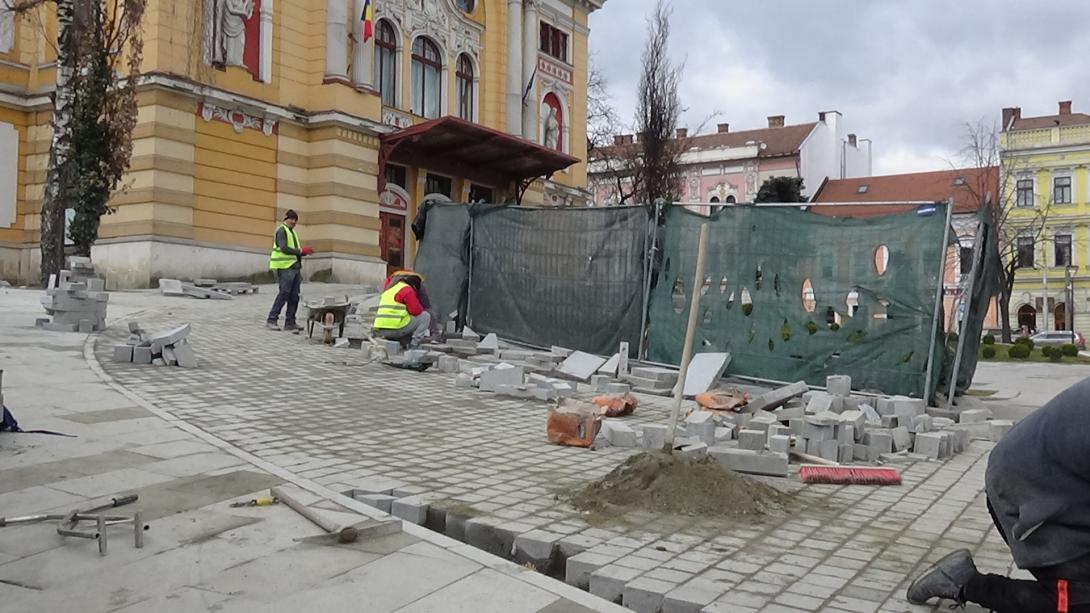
(290, 281)
(1005, 595)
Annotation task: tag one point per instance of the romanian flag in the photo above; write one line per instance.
(368, 20)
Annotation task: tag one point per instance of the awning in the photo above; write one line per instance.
(456, 147)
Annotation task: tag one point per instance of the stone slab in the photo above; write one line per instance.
(611, 366)
(580, 365)
(123, 353)
(185, 355)
(491, 379)
(704, 372)
(751, 462)
(838, 385)
(608, 582)
(777, 397)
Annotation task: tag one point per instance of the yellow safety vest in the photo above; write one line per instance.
(279, 260)
(391, 314)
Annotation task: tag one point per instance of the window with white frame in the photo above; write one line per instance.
(1024, 192)
(1025, 247)
(1061, 190)
(386, 60)
(1061, 250)
(554, 41)
(465, 87)
(427, 67)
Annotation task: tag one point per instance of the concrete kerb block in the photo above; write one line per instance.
(412, 508)
(123, 353)
(141, 355)
(382, 502)
(694, 451)
(701, 425)
(485, 533)
(753, 440)
(777, 397)
(998, 428)
(511, 375)
(618, 433)
(779, 444)
(974, 416)
(692, 596)
(654, 436)
(185, 355)
(578, 569)
(929, 444)
(538, 548)
(752, 462)
(839, 385)
(599, 382)
(608, 581)
(902, 438)
(646, 595)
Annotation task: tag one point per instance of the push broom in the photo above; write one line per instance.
(820, 470)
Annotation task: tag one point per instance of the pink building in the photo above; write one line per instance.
(731, 166)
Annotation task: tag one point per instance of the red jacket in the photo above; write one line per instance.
(407, 297)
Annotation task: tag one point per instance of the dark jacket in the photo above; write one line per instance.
(282, 245)
(1038, 481)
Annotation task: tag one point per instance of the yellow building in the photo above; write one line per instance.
(1046, 168)
(252, 107)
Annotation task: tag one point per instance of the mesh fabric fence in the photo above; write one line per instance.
(443, 258)
(794, 295)
(568, 277)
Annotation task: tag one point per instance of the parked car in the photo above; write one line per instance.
(1059, 337)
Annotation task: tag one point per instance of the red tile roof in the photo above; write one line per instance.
(913, 187)
(1050, 121)
(779, 142)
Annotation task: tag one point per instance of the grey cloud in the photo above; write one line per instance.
(908, 74)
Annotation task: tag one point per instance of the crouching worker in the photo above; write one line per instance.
(1038, 489)
(400, 315)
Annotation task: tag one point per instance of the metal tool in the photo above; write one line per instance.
(343, 534)
(69, 522)
(263, 501)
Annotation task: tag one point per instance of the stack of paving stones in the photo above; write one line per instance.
(169, 348)
(76, 299)
(174, 287)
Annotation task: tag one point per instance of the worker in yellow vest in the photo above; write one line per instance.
(286, 261)
(400, 315)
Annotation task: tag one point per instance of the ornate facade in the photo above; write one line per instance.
(251, 107)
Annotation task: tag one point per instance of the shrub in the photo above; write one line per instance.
(988, 352)
(989, 339)
(1024, 340)
(1070, 350)
(1019, 351)
(1056, 355)
(1048, 350)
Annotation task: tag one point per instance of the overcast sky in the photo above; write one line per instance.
(907, 74)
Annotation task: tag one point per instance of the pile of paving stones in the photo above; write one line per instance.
(205, 289)
(76, 299)
(169, 348)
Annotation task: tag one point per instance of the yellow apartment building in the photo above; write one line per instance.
(1046, 167)
(252, 107)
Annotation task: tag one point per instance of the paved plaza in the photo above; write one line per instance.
(328, 416)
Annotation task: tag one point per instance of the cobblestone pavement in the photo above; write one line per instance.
(328, 415)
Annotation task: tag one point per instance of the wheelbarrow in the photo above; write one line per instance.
(328, 313)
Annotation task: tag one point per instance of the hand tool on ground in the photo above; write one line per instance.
(263, 501)
(344, 534)
(68, 522)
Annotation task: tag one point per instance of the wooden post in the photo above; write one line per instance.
(690, 332)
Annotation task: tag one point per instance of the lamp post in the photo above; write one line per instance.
(1069, 298)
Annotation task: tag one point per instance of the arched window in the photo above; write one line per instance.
(465, 87)
(386, 57)
(552, 119)
(714, 200)
(731, 200)
(426, 79)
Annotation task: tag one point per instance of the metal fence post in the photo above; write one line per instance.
(641, 349)
(938, 303)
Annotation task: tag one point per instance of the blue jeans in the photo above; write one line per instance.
(290, 281)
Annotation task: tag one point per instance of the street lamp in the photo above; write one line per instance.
(1069, 297)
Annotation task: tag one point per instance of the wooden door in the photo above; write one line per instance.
(392, 241)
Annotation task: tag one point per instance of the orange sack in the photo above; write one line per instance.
(617, 405)
(573, 424)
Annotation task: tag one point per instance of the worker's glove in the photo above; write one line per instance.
(307, 251)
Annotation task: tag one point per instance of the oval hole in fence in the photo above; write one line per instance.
(723, 286)
(730, 300)
(809, 301)
(852, 302)
(747, 302)
(758, 277)
(707, 285)
(881, 259)
(677, 297)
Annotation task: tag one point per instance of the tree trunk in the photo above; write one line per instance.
(1005, 292)
(57, 177)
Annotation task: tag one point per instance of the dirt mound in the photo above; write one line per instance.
(670, 484)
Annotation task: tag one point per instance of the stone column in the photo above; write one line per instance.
(336, 39)
(530, 36)
(514, 66)
(363, 54)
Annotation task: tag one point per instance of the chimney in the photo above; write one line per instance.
(618, 139)
(1065, 107)
(723, 128)
(775, 121)
(682, 133)
(628, 139)
(821, 116)
(852, 140)
(1011, 113)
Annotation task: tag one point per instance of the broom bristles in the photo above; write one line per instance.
(849, 475)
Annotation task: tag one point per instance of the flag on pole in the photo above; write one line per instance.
(529, 86)
(368, 20)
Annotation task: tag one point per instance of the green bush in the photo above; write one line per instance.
(1056, 355)
(989, 339)
(1047, 351)
(988, 352)
(1019, 351)
(1024, 340)
(1070, 350)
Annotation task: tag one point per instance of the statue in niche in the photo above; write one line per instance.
(229, 38)
(551, 125)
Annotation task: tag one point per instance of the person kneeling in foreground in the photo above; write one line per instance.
(1038, 492)
(400, 316)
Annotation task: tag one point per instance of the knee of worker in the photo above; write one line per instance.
(425, 319)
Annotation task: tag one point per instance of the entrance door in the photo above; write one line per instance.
(1027, 318)
(392, 241)
(1059, 315)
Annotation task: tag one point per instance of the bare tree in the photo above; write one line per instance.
(99, 50)
(658, 111)
(992, 191)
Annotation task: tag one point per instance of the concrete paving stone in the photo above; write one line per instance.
(580, 365)
(113, 482)
(646, 595)
(839, 385)
(928, 444)
(537, 547)
(506, 594)
(701, 425)
(820, 402)
(902, 439)
(753, 440)
(174, 449)
(654, 435)
(974, 416)
(181, 600)
(195, 464)
(611, 366)
(618, 433)
(490, 380)
(778, 397)
(998, 428)
(382, 502)
(696, 451)
(141, 355)
(579, 567)
(704, 372)
(608, 582)
(751, 462)
(185, 355)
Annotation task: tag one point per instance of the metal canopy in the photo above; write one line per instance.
(456, 147)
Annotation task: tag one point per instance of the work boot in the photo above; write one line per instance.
(946, 579)
(292, 328)
(271, 325)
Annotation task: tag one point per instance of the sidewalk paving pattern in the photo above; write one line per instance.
(328, 416)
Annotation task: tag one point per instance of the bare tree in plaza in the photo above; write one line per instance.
(657, 113)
